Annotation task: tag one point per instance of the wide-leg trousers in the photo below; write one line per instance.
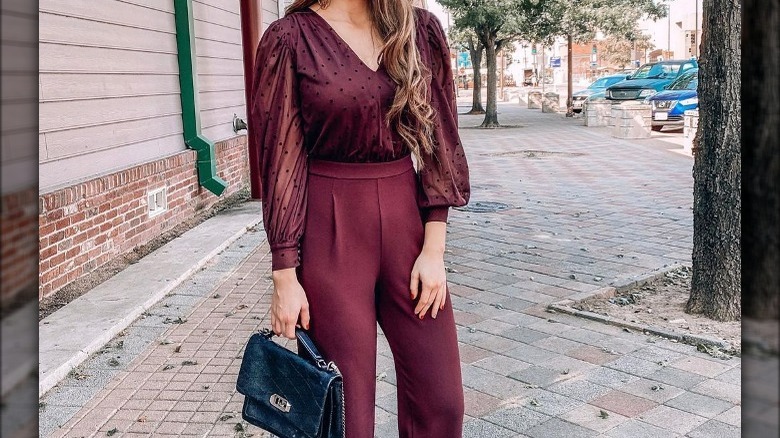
(363, 233)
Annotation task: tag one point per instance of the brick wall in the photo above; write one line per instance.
(18, 246)
(84, 226)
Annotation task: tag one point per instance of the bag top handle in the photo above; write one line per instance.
(308, 344)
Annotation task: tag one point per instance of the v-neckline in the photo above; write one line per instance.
(381, 64)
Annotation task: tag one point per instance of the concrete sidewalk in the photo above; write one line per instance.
(575, 211)
(112, 305)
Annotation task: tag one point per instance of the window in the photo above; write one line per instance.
(687, 81)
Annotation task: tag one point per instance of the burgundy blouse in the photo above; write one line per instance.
(314, 97)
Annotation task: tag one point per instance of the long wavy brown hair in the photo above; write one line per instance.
(411, 113)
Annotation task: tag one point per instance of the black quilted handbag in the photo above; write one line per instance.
(291, 395)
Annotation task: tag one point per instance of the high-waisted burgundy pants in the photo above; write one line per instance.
(363, 233)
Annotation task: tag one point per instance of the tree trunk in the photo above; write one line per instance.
(491, 111)
(761, 162)
(715, 286)
(476, 63)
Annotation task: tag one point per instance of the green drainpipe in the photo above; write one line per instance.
(190, 111)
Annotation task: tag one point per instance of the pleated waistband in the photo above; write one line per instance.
(344, 170)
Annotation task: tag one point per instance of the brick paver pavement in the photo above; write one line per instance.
(584, 211)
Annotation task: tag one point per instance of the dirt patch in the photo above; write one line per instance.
(71, 291)
(661, 304)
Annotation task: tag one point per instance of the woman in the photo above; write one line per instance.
(345, 94)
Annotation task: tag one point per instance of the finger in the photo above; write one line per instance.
(444, 296)
(425, 295)
(436, 306)
(289, 330)
(415, 284)
(305, 317)
(283, 326)
(275, 326)
(426, 299)
(425, 309)
(433, 305)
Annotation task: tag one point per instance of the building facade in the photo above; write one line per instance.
(115, 171)
(678, 35)
(141, 104)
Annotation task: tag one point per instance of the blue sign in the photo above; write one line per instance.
(555, 61)
(464, 60)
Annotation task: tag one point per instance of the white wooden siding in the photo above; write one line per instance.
(220, 66)
(109, 87)
(270, 12)
(109, 93)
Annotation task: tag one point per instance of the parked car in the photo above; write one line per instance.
(599, 95)
(649, 79)
(669, 106)
(599, 85)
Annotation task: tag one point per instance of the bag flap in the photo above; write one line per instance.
(288, 392)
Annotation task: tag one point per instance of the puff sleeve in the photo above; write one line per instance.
(445, 176)
(276, 123)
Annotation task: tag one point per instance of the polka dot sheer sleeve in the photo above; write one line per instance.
(445, 176)
(275, 120)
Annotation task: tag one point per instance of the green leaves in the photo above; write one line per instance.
(496, 22)
(543, 20)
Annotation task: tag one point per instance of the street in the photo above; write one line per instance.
(557, 211)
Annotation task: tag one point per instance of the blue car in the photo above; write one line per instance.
(670, 105)
(649, 79)
(598, 86)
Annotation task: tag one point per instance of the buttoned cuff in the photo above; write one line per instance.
(284, 258)
(437, 214)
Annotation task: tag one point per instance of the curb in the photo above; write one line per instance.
(641, 280)
(564, 306)
(55, 375)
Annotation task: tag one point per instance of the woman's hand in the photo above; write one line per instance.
(429, 270)
(288, 303)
